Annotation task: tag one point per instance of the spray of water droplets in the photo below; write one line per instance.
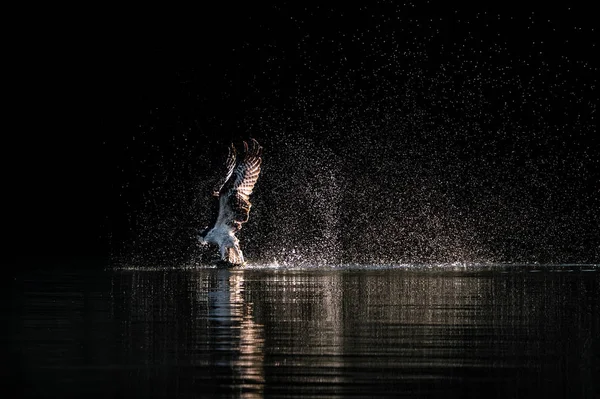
(408, 136)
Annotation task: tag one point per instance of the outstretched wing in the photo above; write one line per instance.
(234, 204)
(226, 175)
(229, 166)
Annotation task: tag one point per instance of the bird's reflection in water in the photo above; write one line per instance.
(311, 333)
(189, 333)
(249, 333)
(236, 332)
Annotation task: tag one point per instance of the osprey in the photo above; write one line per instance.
(233, 195)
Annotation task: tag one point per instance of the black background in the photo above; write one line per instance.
(84, 84)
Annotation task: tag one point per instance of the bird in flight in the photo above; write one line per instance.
(233, 193)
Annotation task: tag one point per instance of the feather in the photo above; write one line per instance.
(234, 201)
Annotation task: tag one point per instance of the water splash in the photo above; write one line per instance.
(392, 141)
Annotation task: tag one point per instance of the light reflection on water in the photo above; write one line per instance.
(311, 332)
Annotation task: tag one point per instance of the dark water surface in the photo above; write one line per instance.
(499, 332)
